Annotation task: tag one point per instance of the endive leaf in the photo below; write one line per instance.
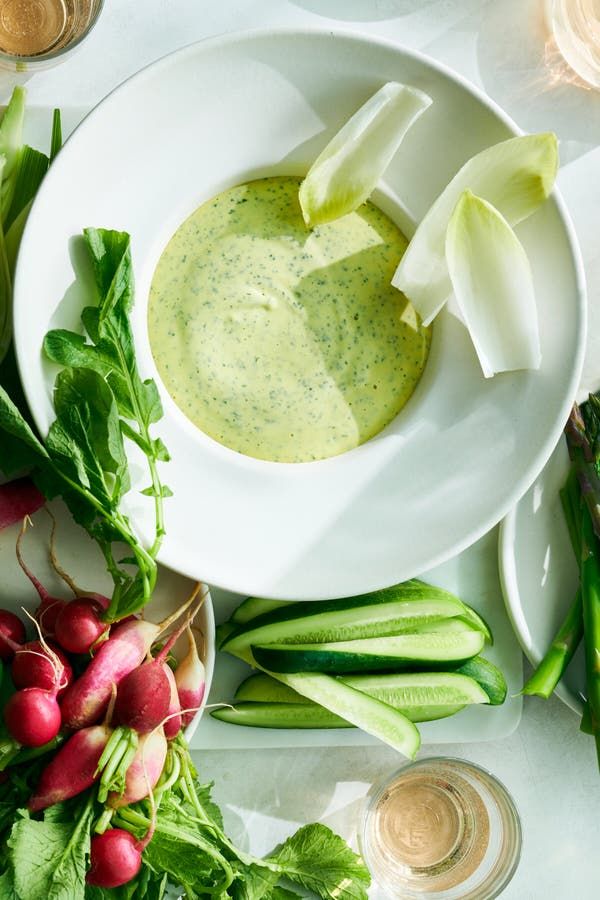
(515, 176)
(492, 282)
(347, 170)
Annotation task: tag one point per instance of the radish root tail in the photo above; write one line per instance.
(55, 662)
(54, 561)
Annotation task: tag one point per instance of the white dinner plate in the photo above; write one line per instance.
(539, 573)
(462, 451)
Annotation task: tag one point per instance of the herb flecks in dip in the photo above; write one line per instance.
(279, 342)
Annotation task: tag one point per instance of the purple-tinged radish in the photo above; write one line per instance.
(12, 634)
(72, 769)
(86, 700)
(32, 716)
(37, 664)
(172, 724)
(79, 627)
(18, 499)
(115, 858)
(190, 678)
(145, 770)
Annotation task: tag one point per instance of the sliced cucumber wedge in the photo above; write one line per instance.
(280, 715)
(261, 688)
(412, 693)
(398, 653)
(223, 631)
(252, 607)
(420, 690)
(373, 716)
(394, 610)
(307, 714)
(488, 676)
(472, 616)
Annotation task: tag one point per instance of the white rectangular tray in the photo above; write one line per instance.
(473, 576)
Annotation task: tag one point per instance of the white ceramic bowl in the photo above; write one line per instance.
(462, 451)
(82, 559)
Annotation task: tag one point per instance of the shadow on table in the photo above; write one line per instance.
(363, 10)
(325, 785)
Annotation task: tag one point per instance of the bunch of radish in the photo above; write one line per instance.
(112, 724)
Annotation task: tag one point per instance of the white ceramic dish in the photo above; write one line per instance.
(473, 576)
(80, 556)
(539, 572)
(463, 450)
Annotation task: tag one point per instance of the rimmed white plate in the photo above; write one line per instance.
(539, 573)
(463, 450)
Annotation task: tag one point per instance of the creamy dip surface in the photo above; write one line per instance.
(279, 342)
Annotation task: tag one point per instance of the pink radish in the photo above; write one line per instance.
(34, 666)
(144, 695)
(12, 633)
(47, 614)
(190, 678)
(79, 626)
(72, 769)
(49, 608)
(32, 716)
(144, 771)
(143, 698)
(115, 858)
(86, 699)
(172, 724)
(18, 499)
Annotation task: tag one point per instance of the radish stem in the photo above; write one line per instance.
(54, 561)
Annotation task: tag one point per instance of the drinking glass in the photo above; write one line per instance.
(36, 34)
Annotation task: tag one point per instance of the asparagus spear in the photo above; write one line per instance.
(586, 720)
(564, 644)
(590, 592)
(559, 654)
(583, 453)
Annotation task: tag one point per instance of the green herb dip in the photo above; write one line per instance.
(283, 343)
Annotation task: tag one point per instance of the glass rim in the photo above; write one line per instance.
(498, 877)
(50, 55)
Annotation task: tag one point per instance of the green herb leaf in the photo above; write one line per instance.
(86, 407)
(29, 174)
(56, 139)
(111, 259)
(49, 858)
(254, 883)
(280, 893)
(321, 861)
(7, 886)
(19, 446)
(183, 855)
